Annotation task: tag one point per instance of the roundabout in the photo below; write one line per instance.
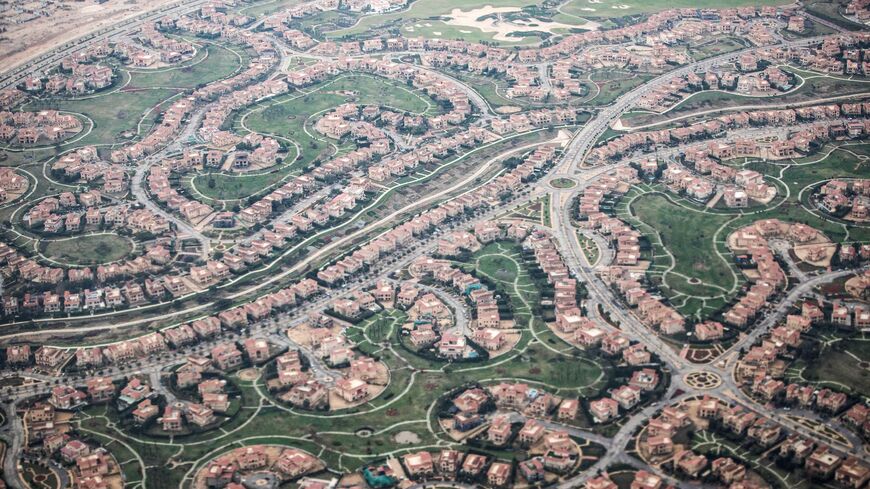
(703, 380)
(563, 183)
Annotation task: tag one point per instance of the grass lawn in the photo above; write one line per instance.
(611, 88)
(259, 9)
(717, 46)
(590, 249)
(830, 10)
(87, 250)
(556, 370)
(563, 183)
(214, 63)
(844, 365)
(38, 477)
(497, 266)
(222, 186)
(489, 88)
(688, 236)
(291, 116)
(425, 9)
(436, 29)
(115, 113)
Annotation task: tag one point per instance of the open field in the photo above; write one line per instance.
(717, 46)
(222, 186)
(683, 250)
(213, 62)
(688, 236)
(291, 118)
(843, 364)
(87, 250)
(425, 9)
(429, 18)
(115, 113)
(613, 84)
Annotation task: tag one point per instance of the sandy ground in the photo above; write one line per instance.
(801, 251)
(68, 20)
(501, 28)
(301, 334)
(855, 286)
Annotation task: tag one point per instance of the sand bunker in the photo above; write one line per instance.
(501, 27)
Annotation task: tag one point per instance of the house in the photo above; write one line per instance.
(351, 390)
(145, 411)
(419, 464)
(852, 473)
(448, 462)
(473, 465)
(531, 432)
(257, 349)
(498, 474)
(822, 462)
(226, 356)
(603, 409)
(171, 420)
(600, 482)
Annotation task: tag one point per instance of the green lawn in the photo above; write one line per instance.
(688, 236)
(499, 267)
(222, 186)
(212, 63)
(840, 366)
(590, 249)
(425, 9)
(715, 47)
(292, 116)
(87, 250)
(564, 183)
(115, 113)
(436, 29)
(612, 86)
(490, 88)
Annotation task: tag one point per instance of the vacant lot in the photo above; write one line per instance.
(87, 250)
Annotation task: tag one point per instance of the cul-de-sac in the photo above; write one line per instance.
(432, 244)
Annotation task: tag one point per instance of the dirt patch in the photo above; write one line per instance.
(508, 109)
(248, 374)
